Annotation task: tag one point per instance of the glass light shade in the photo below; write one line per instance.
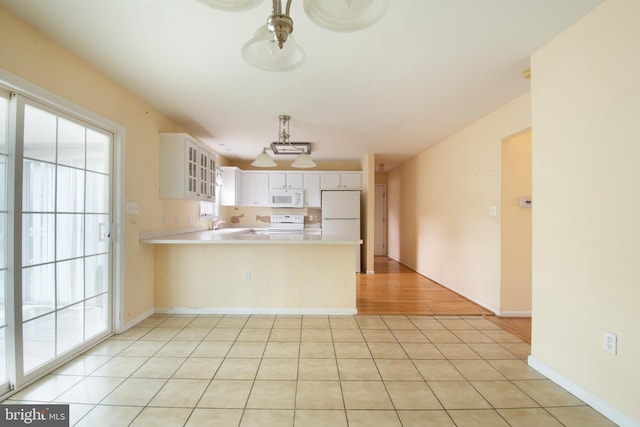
(264, 160)
(345, 15)
(232, 5)
(303, 161)
(262, 52)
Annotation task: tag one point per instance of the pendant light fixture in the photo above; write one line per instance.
(264, 160)
(273, 48)
(284, 146)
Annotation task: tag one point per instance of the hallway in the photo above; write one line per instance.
(396, 289)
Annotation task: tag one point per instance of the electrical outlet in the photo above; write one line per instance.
(610, 343)
(247, 276)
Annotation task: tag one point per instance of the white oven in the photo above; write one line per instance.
(286, 198)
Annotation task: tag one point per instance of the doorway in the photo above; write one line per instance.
(515, 225)
(380, 221)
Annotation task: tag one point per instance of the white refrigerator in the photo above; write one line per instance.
(341, 216)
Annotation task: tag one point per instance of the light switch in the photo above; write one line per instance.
(132, 208)
(525, 202)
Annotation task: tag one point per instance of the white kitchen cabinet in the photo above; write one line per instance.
(341, 180)
(286, 179)
(255, 189)
(185, 168)
(312, 193)
(231, 189)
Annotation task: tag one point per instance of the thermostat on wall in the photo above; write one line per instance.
(525, 202)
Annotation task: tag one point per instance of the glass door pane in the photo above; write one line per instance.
(66, 252)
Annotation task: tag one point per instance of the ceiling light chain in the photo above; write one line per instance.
(283, 133)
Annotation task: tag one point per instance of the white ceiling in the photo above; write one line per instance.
(425, 70)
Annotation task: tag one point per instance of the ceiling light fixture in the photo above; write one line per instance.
(284, 146)
(273, 48)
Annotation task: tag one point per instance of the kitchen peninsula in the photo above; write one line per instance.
(254, 271)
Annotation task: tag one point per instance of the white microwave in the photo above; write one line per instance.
(286, 198)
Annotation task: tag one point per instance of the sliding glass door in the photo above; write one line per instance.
(61, 280)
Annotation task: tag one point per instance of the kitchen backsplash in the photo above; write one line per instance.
(257, 216)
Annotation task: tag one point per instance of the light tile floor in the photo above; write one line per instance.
(308, 371)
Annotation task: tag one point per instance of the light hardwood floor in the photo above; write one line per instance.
(396, 289)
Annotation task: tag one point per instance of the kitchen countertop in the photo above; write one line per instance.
(250, 236)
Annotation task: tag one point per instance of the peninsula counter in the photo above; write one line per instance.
(253, 271)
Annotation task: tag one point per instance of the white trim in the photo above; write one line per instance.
(236, 310)
(595, 402)
(370, 272)
(514, 314)
(133, 322)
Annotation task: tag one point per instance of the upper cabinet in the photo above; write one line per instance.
(252, 187)
(231, 189)
(286, 179)
(341, 180)
(187, 169)
(255, 188)
(312, 193)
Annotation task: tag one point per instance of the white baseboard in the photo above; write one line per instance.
(131, 323)
(234, 310)
(595, 402)
(514, 314)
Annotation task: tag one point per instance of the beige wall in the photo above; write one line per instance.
(27, 54)
(515, 227)
(586, 232)
(438, 206)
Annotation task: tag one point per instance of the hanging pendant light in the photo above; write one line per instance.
(303, 161)
(286, 147)
(264, 160)
(263, 52)
(345, 15)
(273, 48)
